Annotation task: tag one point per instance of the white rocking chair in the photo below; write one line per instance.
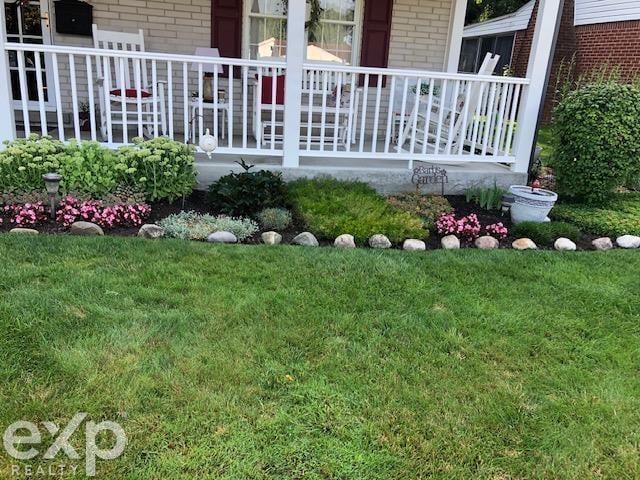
(124, 81)
(446, 136)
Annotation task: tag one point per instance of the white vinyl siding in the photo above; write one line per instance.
(588, 12)
(513, 22)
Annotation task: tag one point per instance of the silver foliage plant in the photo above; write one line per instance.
(198, 226)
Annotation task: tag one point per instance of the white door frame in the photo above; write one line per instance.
(47, 66)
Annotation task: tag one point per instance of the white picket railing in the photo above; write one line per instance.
(350, 112)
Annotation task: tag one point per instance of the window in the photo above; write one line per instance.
(475, 49)
(335, 39)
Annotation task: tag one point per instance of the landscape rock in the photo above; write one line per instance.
(306, 239)
(565, 245)
(222, 237)
(486, 243)
(24, 231)
(412, 245)
(151, 231)
(450, 242)
(86, 228)
(524, 244)
(271, 238)
(602, 244)
(345, 241)
(379, 241)
(628, 241)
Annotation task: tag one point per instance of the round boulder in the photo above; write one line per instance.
(271, 238)
(306, 239)
(450, 242)
(151, 231)
(379, 241)
(222, 237)
(412, 245)
(603, 244)
(628, 241)
(345, 241)
(565, 245)
(86, 228)
(524, 244)
(24, 231)
(486, 243)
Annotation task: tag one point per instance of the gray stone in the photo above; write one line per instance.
(271, 238)
(565, 245)
(411, 244)
(602, 244)
(222, 237)
(305, 239)
(151, 231)
(379, 241)
(24, 231)
(345, 241)
(86, 228)
(524, 244)
(450, 242)
(486, 243)
(628, 241)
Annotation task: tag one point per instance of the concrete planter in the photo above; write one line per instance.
(531, 205)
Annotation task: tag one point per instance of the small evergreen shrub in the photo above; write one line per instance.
(546, 233)
(330, 207)
(621, 216)
(275, 219)
(197, 226)
(597, 140)
(247, 193)
(429, 207)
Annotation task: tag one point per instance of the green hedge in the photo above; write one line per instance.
(621, 216)
(330, 208)
(159, 168)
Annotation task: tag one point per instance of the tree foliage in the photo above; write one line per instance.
(481, 10)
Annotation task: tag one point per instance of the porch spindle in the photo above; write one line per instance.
(390, 119)
(92, 100)
(40, 88)
(56, 87)
(74, 97)
(24, 93)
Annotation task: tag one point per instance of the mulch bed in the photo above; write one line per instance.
(196, 202)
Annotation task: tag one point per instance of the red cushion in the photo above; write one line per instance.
(267, 89)
(130, 93)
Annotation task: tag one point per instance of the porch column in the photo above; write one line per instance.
(456, 28)
(293, 82)
(8, 124)
(540, 59)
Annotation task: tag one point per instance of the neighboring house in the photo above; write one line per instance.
(598, 34)
(376, 89)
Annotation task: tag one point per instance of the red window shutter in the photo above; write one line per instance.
(226, 28)
(376, 35)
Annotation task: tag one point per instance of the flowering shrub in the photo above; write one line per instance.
(497, 230)
(467, 227)
(25, 214)
(108, 216)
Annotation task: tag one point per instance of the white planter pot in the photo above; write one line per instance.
(531, 206)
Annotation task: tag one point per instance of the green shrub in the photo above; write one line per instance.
(546, 233)
(247, 193)
(597, 140)
(330, 208)
(24, 161)
(197, 226)
(160, 167)
(274, 218)
(621, 216)
(429, 207)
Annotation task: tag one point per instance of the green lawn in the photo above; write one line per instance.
(545, 141)
(252, 362)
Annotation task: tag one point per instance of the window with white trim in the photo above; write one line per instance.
(337, 35)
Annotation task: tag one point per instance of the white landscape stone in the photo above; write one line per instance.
(413, 244)
(271, 238)
(86, 228)
(151, 231)
(628, 241)
(379, 241)
(306, 239)
(602, 244)
(222, 237)
(524, 244)
(450, 242)
(24, 231)
(486, 243)
(345, 241)
(565, 245)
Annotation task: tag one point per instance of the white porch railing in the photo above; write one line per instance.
(349, 112)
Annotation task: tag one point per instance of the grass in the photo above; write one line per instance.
(545, 140)
(288, 363)
(620, 217)
(331, 207)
